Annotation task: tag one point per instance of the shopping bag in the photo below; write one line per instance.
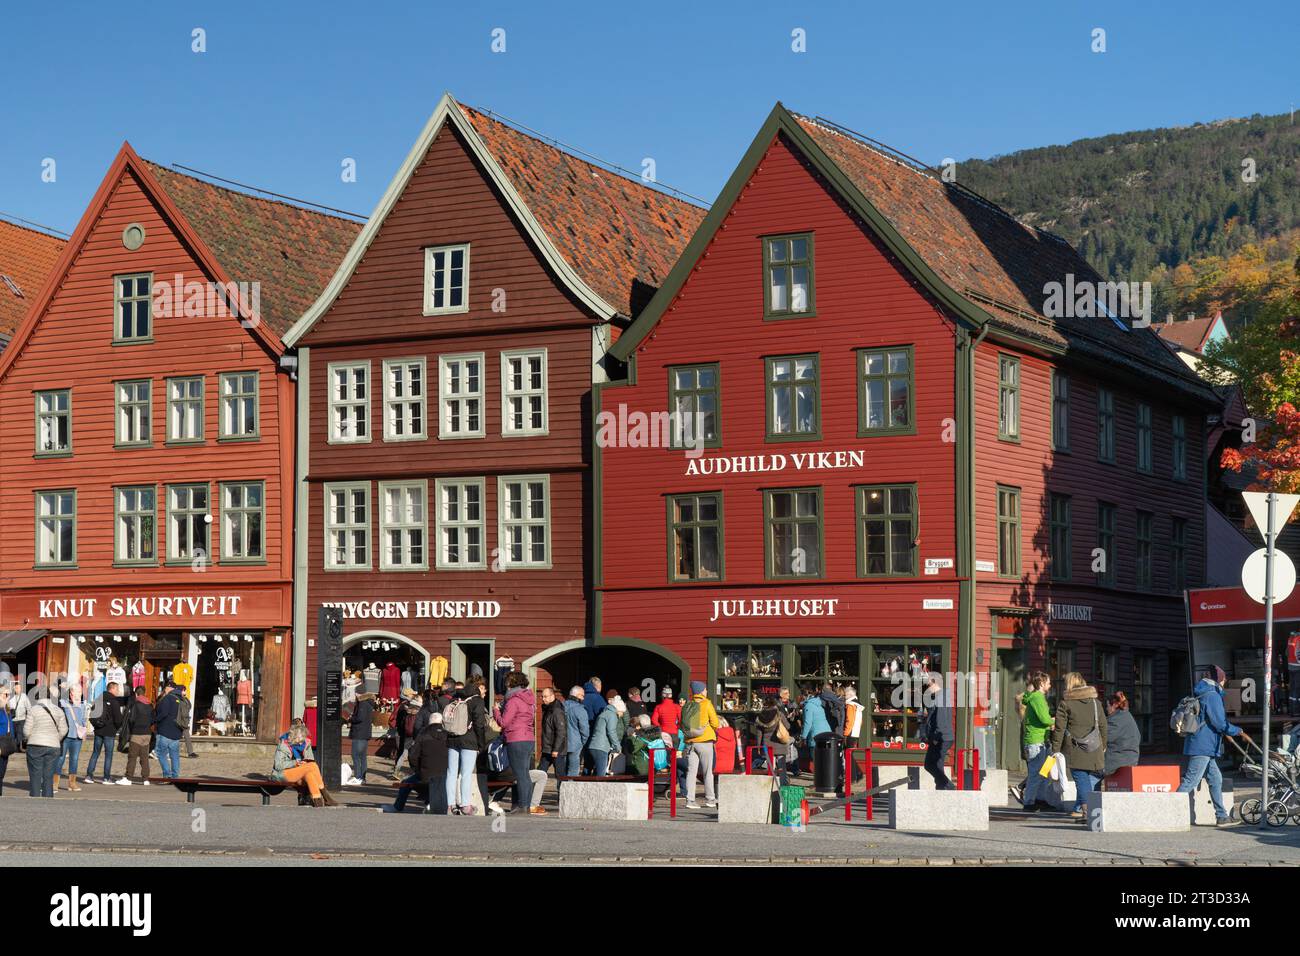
(1045, 770)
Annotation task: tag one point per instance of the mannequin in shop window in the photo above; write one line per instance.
(390, 684)
(371, 682)
(244, 702)
(220, 706)
(138, 677)
(116, 673)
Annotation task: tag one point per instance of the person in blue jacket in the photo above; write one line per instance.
(6, 725)
(815, 722)
(575, 715)
(1204, 747)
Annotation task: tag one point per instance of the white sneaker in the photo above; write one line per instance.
(89, 780)
(496, 807)
(145, 782)
(692, 806)
(123, 782)
(710, 803)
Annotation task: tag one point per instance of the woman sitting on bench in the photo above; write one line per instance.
(294, 763)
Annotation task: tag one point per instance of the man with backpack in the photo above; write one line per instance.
(700, 725)
(1202, 722)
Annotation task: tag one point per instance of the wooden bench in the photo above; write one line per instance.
(190, 786)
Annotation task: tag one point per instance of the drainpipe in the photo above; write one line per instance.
(967, 663)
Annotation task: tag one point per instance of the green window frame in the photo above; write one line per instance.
(1142, 705)
(243, 522)
(886, 391)
(1145, 453)
(135, 525)
(1060, 411)
(185, 410)
(695, 396)
(1177, 554)
(1178, 426)
(792, 531)
(524, 521)
(1008, 398)
(56, 528)
(789, 289)
(895, 691)
(1106, 542)
(189, 523)
(887, 530)
(240, 420)
(133, 308)
(1106, 426)
(347, 526)
(1059, 661)
(54, 423)
(793, 397)
(133, 413)
(1105, 670)
(1144, 568)
(1062, 538)
(695, 537)
(1009, 557)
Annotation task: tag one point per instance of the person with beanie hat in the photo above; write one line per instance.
(699, 723)
(1203, 747)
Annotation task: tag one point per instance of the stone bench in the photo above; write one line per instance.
(1120, 812)
(608, 800)
(992, 781)
(1203, 806)
(745, 799)
(938, 810)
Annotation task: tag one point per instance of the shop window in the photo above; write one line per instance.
(1144, 572)
(885, 385)
(446, 279)
(136, 525)
(1143, 703)
(694, 401)
(461, 523)
(524, 402)
(1008, 398)
(695, 537)
(1062, 535)
(524, 520)
(898, 674)
(1060, 661)
(788, 271)
(1105, 671)
(349, 402)
(461, 403)
(242, 521)
(239, 405)
(227, 688)
(56, 529)
(1008, 532)
(188, 521)
(793, 532)
(133, 307)
(1060, 411)
(747, 673)
(133, 413)
(793, 410)
(1106, 543)
(402, 526)
(887, 530)
(347, 526)
(1178, 554)
(404, 402)
(1106, 425)
(1144, 438)
(54, 423)
(185, 409)
(1179, 428)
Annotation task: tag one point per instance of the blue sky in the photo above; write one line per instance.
(287, 91)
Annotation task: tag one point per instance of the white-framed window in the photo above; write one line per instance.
(402, 526)
(133, 307)
(349, 402)
(347, 526)
(136, 525)
(188, 523)
(239, 405)
(460, 384)
(56, 528)
(523, 392)
(185, 409)
(461, 523)
(524, 520)
(54, 422)
(404, 399)
(446, 279)
(133, 418)
(243, 511)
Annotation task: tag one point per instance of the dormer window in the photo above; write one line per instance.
(446, 279)
(788, 273)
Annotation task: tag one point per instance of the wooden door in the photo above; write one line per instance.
(270, 687)
(1011, 686)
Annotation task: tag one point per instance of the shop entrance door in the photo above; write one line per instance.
(1011, 685)
(472, 657)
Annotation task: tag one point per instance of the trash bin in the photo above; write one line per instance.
(828, 764)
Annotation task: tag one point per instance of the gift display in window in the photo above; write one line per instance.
(735, 662)
(899, 677)
(811, 662)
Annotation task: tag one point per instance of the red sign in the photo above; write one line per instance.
(99, 608)
(1210, 607)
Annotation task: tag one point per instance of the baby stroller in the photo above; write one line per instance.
(1283, 787)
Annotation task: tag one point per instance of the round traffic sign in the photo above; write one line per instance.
(1252, 575)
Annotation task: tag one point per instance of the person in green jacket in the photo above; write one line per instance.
(1036, 720)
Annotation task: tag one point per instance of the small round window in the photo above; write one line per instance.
(133, 236)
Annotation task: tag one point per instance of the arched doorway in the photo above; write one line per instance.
(620, 664)
(375, 650)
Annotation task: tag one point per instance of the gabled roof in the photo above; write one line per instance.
(609, 239)
(985, 266)
(26, 258)
(1189, 334)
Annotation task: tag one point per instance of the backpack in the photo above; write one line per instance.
(498, 758)
(1186, 718)
(1090, 741)
(455, 718)
(691, 719)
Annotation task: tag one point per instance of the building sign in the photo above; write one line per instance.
(208, 605)
(1069, 612)
(176, 606)
(1223, 606)
(387, 610)
(985, 566)
(936, 604)
(766, 464)
(776, 607)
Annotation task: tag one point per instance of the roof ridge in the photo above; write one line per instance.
(349, 218)
(8, 220)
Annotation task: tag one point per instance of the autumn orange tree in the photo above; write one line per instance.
(1274, 452)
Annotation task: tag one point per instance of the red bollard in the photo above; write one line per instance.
(749, 760)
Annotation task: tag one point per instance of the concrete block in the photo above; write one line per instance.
(938, 810)
(1119, 812)
(1203, 806)
(745, 799)
(1062, 797)
(994, 784)
(583, 800)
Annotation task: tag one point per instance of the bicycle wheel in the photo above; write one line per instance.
(1277, 813)
(1250, 811)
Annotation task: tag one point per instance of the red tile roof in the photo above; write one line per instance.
(26, 259)
(620, 236)
(1189, 334)
(988, 256)
(291, 251)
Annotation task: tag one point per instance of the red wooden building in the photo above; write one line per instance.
(901, 462)
(146, 428)
(444, 445)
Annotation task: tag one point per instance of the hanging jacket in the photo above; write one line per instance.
(516, 716)
(1077, 714)
(579, 726)
(814, 718)
(1208, 740)
(667, 716)
(605, 735)
(555, 728)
